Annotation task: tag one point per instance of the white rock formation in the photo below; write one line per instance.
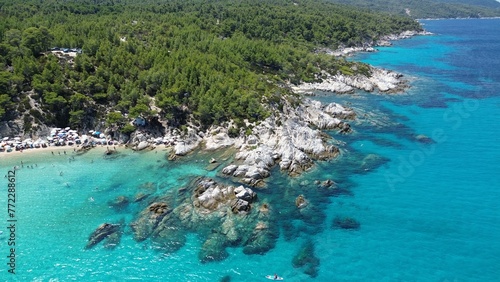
(380, 79)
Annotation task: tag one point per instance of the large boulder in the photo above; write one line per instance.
(243, 193)
(240, 205)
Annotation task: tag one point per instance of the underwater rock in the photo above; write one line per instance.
(148, 187)
(148, 219)
(306, 259)
(262, 239)
(119, 203)
(169, 235)
(345, 222)
(327, 183)
(230, 231)
(424, 139)
(372, 161)
(312, 215)
(102, 232)
(111, 154)
(301, 202)
(140, 196)
(222, 214)
(264, 209)
(213, 249)
(113, 240)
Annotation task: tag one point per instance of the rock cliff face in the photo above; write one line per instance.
(16, 128)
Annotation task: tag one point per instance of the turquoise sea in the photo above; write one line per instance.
(420, 173)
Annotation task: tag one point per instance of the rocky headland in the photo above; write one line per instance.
(383, 41)
(379, 80)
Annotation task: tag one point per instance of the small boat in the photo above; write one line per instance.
(274, 277)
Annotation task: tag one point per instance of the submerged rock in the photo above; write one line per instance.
(148, 220)
(169, 235)
(119, 203)
(113, 240)
(102, 232)
(140, 196)
(213, 249)
(148, 187)
(345, 223)
(424, 139)
(306, 259)
(222, 214)
(262, 239)
(372, 161)
(301, 202)
(327, 183)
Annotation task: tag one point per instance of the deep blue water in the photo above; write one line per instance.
(428, 210)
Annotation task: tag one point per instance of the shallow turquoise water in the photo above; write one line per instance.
(429, 213)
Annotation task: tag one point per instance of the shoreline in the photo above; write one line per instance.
(18, 157)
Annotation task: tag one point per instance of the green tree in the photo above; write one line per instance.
(37, 39)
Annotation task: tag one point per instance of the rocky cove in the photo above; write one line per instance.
(239, 208)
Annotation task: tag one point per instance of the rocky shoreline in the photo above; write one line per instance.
(379, 80)
(384, 41)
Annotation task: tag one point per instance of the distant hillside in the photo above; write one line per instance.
(430, 8)
(484, 3)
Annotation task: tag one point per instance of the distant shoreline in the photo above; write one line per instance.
(441, 19)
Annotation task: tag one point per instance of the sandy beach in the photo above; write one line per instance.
(31, 156)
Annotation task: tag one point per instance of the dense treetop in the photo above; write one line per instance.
(208, 61)
(431, 8)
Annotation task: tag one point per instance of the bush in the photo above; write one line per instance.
(127, 129)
